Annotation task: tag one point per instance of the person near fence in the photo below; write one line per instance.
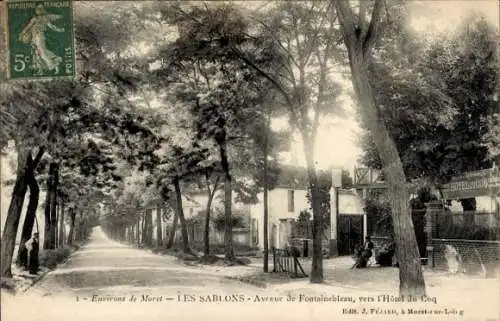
(363, 253)
(33, 247)
(368, 244)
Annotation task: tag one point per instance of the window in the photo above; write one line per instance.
(291, 201)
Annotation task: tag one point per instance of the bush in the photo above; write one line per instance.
(237, 221)
(50, 258)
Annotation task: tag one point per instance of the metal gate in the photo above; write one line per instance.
(350, 229)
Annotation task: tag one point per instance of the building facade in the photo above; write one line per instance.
(285, 206)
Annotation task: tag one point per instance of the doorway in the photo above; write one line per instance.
(350, 233)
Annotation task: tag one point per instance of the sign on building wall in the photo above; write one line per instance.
(473, 184)
(40, 39)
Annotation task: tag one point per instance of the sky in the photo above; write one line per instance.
(336, 145)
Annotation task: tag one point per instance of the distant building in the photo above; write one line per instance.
(289, 198)
(285, 203)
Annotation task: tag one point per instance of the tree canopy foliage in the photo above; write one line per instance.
(440, 125)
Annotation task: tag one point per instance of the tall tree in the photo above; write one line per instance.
(159, 219)
(212, 184)
(262, 168)
(33, 126)
(50, 207)
(438, 125)
(306, 40)
(12, 220)
(360, 33)
(300, 74)
(220, 94)
(29, 218)
(38, 105)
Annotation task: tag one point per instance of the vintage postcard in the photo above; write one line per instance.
(250, 160)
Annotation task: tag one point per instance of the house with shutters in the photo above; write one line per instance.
(286, 201)
(285, 204)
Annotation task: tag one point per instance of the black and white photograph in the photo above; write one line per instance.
(250, 160)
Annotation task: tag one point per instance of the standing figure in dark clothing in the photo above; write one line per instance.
(368, 250)
(23, 256)
(33, 247)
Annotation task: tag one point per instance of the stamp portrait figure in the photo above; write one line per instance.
(34, 33)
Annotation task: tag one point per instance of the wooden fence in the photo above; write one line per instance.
(286, 261)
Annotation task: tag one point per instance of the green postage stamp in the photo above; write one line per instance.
(40, 39)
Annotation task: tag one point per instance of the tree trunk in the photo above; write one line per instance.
(206, 236)
(211, 194)
(61, 224)
(159, 236)
(78, 227)
(165, 219)
(410, 270)
(56, 226)
(82, 230)
(266, 205)
(317, 226)
(51, 208)
(143, 228)
(71, 231)
(48, 203)
(228, 226)
(171, 236)
(29, 219)
(266, 229)
(138, 229)
(206, 232)
(148, 227)
(14, 214)
(180, 211)
(54, 206)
